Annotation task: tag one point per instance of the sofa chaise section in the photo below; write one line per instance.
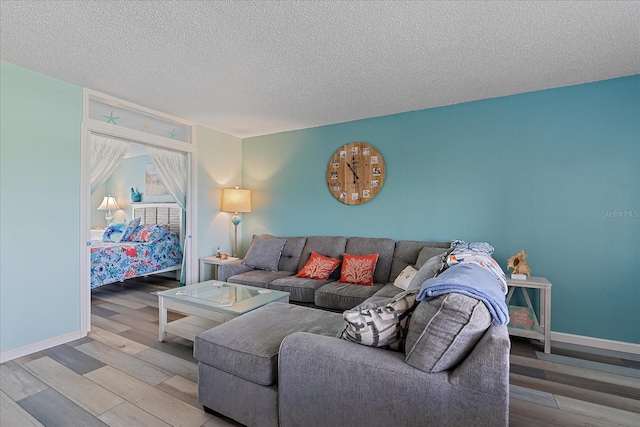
(238, 360)
(376, 387)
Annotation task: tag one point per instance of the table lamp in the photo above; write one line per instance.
(108, 203)
(236, 200)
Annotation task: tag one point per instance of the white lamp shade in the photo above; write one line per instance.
(108, 203)
(236, 200)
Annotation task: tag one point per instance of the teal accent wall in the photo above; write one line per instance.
(553, 172)
(40, 121)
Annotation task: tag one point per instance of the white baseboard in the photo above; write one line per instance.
(621, 346)
(562, 337)
(39, 346)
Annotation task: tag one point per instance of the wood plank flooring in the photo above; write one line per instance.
(120, 375)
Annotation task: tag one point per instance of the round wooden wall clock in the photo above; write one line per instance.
(355, 173)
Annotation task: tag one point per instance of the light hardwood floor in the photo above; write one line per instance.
(120, 375)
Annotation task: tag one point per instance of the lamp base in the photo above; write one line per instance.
(235, 239)
(235, 220)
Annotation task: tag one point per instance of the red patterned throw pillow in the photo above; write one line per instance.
(318, 267)
(358, 269)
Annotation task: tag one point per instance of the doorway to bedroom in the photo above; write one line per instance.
(130, 180)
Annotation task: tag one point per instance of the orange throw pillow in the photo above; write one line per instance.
(318, 267)
(358, 269)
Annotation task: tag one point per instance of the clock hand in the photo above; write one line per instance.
(355, 176)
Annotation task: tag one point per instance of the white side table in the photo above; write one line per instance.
(215, 262)
(542, 328)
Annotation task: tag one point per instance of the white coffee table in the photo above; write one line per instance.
(210, 304)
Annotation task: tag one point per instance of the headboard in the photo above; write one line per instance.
(160, 213)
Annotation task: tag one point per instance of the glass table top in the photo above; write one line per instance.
(222, 296)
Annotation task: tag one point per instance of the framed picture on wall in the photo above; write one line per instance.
(153, 184)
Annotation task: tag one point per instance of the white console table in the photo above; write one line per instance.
(542, 325)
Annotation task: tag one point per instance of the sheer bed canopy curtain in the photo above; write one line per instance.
(106, 154)
(172, 170)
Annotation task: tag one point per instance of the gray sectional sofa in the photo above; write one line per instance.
(286, 365)
(392, 259)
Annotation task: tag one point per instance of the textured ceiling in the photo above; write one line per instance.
(259, 67)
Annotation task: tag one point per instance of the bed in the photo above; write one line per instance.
(117, 261)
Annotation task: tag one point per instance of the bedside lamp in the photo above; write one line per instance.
(108, 203)
(236, 200)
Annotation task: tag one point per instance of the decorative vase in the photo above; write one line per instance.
(135, 196)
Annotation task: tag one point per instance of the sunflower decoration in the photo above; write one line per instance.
(518, 264)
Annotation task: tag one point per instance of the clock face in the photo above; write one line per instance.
(355, 173)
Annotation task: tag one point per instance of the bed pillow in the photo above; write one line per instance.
(318, 267)
(113, 232)
(131, 228)
(358, 269)
(264, 254)
(404, 278)
(149, 233)
(381, 325)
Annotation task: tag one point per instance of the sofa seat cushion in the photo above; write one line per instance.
(301, 289)
(247, 346)
(444, 330)
(258, 278)
(388, 291)
(343, 296)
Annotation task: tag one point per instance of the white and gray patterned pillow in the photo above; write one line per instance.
(264, 254)
(384, 325)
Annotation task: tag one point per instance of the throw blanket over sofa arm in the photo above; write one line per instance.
(326, 381)
(231, 269)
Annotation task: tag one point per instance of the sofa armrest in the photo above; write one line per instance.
(487, 367)
(328, 381)
(231, 269)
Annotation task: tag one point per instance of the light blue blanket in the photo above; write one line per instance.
(473, 281)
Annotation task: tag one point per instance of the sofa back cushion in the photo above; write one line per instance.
(374, 245)
(406, 253)
(444, 330)
(291, 252)
(264, 254)
(329, 246)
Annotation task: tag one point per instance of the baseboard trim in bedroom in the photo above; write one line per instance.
(39, 346)
(598, 343)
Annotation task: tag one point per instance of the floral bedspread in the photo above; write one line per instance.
(115, 262)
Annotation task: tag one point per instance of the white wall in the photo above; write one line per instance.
(219, 166)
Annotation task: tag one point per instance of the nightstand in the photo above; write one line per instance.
(215, 262)
(541, 329)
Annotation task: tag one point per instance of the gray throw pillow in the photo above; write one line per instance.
(264, 254)
(444, 330)
(426, 254)
(431, 268)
